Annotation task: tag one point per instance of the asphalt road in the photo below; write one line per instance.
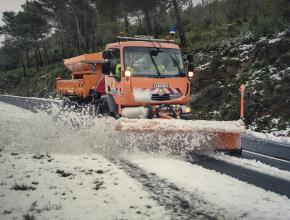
(31, 104)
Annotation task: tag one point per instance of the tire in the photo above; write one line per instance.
(108, 106)
(236, 153)
(65, 102)
(111, 104)
(71, 103)
(103, 109)
(187, 116)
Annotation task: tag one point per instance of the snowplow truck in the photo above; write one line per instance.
(144, 83)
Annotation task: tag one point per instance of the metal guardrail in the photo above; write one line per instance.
(266, 147)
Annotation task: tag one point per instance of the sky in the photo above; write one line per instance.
(9, 5)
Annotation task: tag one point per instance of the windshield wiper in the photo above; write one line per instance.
(154, 63)
(176, 64)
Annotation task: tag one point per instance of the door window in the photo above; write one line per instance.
(115, 62)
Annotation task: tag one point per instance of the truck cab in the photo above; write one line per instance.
(133, 78)
(147, 78)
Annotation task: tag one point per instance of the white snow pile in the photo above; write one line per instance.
(241, 200)
(269, 137)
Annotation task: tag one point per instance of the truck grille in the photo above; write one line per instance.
(157, 94)
(165, 97)
(156, 97)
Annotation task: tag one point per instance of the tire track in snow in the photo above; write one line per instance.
(181, 203)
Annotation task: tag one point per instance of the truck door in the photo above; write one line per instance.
(116, 63)
(113, 81)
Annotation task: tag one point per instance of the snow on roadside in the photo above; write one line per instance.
(61, 186)
(242, 200)
(254, 165)
(269, 137)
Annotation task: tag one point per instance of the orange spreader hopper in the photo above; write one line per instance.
(181, 135)
(85, 75)
(83, 64)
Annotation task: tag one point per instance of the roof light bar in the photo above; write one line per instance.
(144, 39)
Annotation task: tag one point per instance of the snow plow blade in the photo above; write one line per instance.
(180, 135)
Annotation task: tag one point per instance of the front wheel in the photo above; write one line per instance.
(236, 153)
(102, 109)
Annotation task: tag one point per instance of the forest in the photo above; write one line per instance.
(47, 31)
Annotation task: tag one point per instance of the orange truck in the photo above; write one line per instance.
(134, 79)
(139, 78)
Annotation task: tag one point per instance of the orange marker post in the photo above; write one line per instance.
(242, 91)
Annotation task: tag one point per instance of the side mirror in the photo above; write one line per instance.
(190, 67)
(154, 52)
(107, 55)
(189, 58)
(106, 68)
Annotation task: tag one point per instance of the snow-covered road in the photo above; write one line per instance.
(51, 168)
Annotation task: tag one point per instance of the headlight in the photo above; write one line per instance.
(185, 109)
(190, 74)
(127, 73)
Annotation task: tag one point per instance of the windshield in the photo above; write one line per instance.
(150, 61)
